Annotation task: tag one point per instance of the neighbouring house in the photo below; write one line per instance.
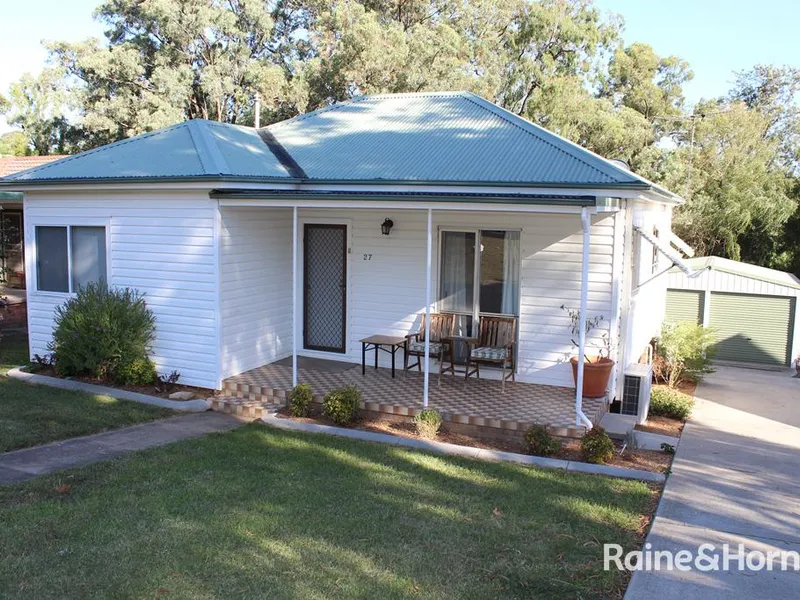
(256, 246)
(12, 253)
(753, 311)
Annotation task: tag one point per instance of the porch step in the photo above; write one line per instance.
(246, 408)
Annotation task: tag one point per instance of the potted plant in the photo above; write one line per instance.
(597, 367)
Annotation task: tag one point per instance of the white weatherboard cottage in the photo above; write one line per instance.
(255, 245)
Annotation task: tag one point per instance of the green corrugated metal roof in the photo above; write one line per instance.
(446, 137)
(726, 265)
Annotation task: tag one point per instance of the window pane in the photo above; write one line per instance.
(51, 259)
(88, 255)
(457, 276)
(500, 272)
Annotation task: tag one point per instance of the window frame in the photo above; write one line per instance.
(33, 267)
(476, 284)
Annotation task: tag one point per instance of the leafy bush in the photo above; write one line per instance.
(140, 371)
(683, 351)
(341, 406)
(428, 422)
(539, 442)
(101, 329)
(596, 446)
(300, 399)
(665, 402)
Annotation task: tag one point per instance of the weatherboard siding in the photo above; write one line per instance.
(256, 291)
(164, 246)
(386, 293)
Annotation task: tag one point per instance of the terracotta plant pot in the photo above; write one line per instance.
(596, 373)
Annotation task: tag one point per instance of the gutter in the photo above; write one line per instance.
(577, 201)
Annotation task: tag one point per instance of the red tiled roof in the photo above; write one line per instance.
(14, 164)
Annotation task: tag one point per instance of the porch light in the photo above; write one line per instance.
(386, 226)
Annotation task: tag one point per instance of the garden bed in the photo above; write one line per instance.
(662, 426)
(646, 460)
(149, 390)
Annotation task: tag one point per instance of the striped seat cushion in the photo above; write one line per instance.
(489, 352)
(419, 347)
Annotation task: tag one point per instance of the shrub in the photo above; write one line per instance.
(168, 382)
(428, 422)
(539, 442)
(596, 446)
(341, 406)
(683, 351)
(140, 371)
(101, 329)
(300, 400)
(666, 402)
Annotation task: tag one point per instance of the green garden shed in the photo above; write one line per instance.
(753, 310)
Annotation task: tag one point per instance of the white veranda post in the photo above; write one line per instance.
(428, 263)
(294, 296)
(581, 418)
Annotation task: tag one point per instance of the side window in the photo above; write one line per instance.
(51, 259)
(656, 254)
(68, 258)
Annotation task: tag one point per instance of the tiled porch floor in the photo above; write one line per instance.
(480, 402)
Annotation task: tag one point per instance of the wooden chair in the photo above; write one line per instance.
(441, 326)
(496, 346)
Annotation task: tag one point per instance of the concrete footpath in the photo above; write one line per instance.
(735, 479)
(22, 465)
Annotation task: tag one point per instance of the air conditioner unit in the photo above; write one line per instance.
(636, 391)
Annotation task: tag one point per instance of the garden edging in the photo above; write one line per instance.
(273, 420)
(80, 386)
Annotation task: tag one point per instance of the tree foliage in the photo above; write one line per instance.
(560, 63)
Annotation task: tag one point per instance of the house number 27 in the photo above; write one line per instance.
(368, 257)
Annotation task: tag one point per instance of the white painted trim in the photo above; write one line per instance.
(617, 277)
(428, 267)
(586, 226)
(217, 257)
(30, 266)
(295, 240)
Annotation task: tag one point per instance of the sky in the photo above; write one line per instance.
(717, 37)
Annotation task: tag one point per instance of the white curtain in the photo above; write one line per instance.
(511, 266)
(457, 264)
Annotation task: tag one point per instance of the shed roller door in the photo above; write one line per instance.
(683, 306)
(754, 329)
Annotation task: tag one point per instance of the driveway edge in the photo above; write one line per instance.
(466, 451)
(79, 386)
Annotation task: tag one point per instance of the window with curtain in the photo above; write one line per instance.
(68, 258)
(489, 284)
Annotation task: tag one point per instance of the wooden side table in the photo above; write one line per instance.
(386, 343)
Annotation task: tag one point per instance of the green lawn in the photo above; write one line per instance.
(260, 513)
(32, 415)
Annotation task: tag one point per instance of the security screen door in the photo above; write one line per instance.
(325, 287)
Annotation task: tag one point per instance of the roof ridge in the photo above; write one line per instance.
(205, 145)
(116, 144)
(537, 133)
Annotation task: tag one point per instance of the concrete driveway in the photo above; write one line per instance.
(735, 479)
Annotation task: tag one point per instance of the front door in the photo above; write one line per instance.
(324, 287)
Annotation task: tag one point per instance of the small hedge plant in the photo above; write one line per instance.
(665, 402)
(596, 446)
(139, 371)
(341, 406)
(300, 399)
(683, 352)
(539, 442)
(105, 333)
(428, 421)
